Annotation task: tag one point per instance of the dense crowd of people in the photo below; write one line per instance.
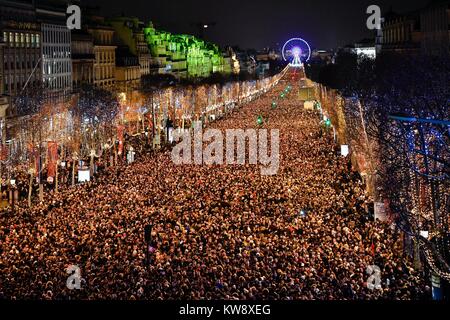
(219, 231)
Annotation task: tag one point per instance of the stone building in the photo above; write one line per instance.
(21, 33)
(83, 58)
(435, 27)
(130, 32)
(127, 72)
(401, 33)
(104, 52)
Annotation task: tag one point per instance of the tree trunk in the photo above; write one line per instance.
(91, 165)
(56, 177)
(30, 190)
(41, 191)
(115, 155)
(73, 172)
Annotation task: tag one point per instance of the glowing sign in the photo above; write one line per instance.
(84, 175)
(344, 150)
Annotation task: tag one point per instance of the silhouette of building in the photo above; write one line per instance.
(426, 30)
(435, 27)
(401, 33)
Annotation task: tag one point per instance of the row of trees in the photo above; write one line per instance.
(395, 100)
(94, 123)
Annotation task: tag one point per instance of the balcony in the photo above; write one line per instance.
(85, 56)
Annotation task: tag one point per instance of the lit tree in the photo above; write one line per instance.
(95, 111)
(413, 87)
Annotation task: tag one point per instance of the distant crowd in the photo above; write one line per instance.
(219, 231)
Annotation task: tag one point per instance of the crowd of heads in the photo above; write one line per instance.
(219, 231)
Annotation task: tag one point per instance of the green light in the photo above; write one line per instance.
(190, 56)
(274, 105)
(260, 120)
(328, 122)
(282, 95)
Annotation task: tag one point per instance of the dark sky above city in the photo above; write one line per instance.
(256, 24)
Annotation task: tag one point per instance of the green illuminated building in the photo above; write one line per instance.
(185, 55)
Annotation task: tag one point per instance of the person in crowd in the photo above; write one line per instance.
(219, 231)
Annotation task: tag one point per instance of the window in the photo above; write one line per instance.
(37, 40)
(27, 39)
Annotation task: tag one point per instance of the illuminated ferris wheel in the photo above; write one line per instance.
(296, 51)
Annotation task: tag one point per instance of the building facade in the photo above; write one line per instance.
(184, 56)
(231, 63)
(435, 26)
(401, 33)
(83, 59)
(130, 32)
(3, 98)
(21, 34)
(55, 49)
(160, 43)
(105, 56)
(424, 31)
(56, 58)
(247, 63)
(127, 70)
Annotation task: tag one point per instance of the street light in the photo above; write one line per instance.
(260, 120)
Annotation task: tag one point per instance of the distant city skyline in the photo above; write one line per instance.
(257, 24)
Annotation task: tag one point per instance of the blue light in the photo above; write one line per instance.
(297, 51)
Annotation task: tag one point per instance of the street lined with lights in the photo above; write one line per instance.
(218, 232)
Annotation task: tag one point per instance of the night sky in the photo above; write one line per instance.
(256, 24)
